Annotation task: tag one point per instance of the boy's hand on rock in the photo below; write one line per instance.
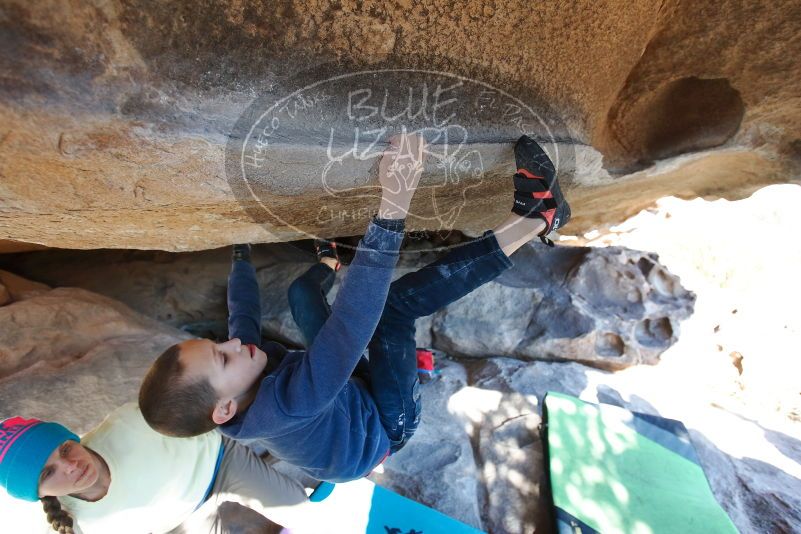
(399, 173)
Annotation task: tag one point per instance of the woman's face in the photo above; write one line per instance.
(71, 468)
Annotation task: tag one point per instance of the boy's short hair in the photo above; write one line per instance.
(172, 405)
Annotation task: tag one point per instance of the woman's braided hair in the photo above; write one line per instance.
(59, 519)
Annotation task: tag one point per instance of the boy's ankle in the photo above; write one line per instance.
(330, 262)
(327, 253)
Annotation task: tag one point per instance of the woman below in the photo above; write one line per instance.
(124, 477)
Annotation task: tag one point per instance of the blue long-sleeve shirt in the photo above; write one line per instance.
(309, 411)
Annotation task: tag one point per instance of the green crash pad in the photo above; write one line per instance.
(612, 470)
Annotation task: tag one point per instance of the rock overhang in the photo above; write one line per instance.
(117, 116)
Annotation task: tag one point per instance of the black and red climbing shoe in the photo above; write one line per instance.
(327, 249)
(537, 191)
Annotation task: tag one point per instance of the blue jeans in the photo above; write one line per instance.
(392, 367)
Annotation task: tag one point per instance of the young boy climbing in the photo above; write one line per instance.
(308, 409)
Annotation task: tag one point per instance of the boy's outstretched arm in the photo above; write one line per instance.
(343, 338)
(244, 301)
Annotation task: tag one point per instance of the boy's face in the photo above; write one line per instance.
(231, 368)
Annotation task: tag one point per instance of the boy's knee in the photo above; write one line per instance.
(299, 289)
(396, 311)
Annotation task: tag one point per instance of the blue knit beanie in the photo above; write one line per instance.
(25, 446)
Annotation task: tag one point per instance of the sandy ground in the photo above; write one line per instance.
(742, 346)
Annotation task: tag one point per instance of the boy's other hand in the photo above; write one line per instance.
(399, 173)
